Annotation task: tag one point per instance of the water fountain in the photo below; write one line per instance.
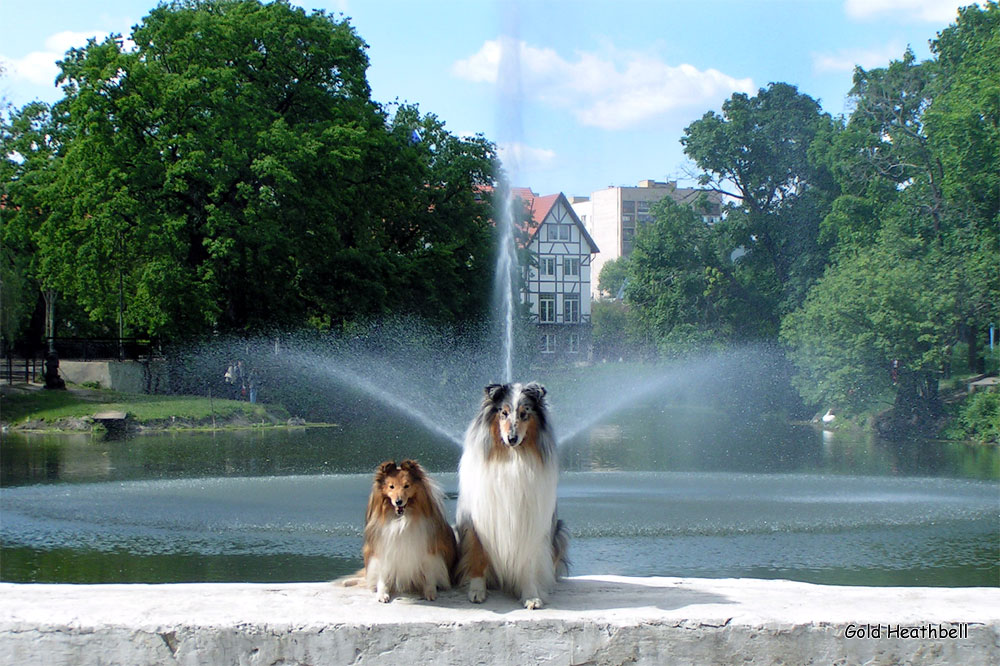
(669, 469)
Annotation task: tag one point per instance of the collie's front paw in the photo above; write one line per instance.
(477, 590)
(533, 603)
(430, 593)
(383, 597)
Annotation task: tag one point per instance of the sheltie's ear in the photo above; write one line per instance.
(493, 391)
(413, 468)
(385, 469)
(535, 391)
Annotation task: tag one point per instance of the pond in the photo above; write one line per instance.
(678, 491)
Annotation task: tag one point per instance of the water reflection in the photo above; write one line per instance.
(668, 439)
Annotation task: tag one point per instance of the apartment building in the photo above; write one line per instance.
(612, 216)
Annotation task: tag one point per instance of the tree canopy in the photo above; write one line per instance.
(916, 266)
(231, 173)
(869, 244)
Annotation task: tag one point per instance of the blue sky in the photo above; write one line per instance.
(591, 93)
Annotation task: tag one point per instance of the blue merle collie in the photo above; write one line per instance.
(509, 537)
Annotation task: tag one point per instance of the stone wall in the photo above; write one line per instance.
(126, 376)
(591, 619)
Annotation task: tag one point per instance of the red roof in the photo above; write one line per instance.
(539, 208)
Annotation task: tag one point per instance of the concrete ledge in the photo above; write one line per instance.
(590, 619)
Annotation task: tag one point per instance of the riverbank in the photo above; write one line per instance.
(590, 619)
(31, 408)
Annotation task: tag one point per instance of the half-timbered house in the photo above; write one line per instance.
(557, 284)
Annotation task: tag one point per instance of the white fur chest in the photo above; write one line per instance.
(401, 553)
(511, 503)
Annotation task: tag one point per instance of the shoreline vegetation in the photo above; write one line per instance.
(31, 408)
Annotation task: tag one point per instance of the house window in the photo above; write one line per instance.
(571, 266)
(558, 232)
(574, 343)
(548, 343)
(547, 308)
(547, 265)
(571, 309)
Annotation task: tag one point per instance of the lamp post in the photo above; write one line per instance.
(52, 378)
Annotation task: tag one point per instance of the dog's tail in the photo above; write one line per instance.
(560, 548)
(351, 580)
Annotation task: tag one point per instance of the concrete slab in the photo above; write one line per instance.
(110, 416)
(590, 619)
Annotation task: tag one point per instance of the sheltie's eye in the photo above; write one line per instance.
(405, 486)
(504, 413)
(392, 487)
(524, 416)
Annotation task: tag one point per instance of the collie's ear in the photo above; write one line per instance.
(494, 391)
(535, 391)
(413, 467)
(386, 468)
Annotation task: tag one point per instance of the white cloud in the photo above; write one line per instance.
(39, 67)
(931, 11)
(518, 157)
(844, 60)
(611, 92)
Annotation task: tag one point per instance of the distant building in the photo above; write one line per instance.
(613, 215)
(558, 288)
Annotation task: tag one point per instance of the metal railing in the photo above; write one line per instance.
(103, 349)
(29, 366)
(17, 369)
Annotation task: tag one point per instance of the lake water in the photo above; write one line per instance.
(675, 492)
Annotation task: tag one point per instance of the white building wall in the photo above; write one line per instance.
(604, 228)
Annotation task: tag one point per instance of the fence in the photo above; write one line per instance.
(27, 370)
(103, 349)
(30, 367)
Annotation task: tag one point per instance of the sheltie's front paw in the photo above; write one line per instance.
(477, 590)
(383, 597)
(430, 592)
(533, 604)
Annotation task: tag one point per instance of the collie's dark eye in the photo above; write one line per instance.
(392, 487)
(406, 486)
(524, 416)
(505, 413)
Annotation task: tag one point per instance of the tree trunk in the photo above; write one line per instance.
(973, 333)
(917, 405)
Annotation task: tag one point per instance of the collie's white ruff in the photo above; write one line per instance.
(511, 503)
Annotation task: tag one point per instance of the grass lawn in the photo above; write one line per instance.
(19, 404)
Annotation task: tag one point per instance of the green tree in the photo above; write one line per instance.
(207, 164)
(678, 289)
(963, 130)
(232, 173)
(437, 193)
(610, 329)
(612, 277)
(882, 315)
(757, 152)
(30, 148)
(915, 263)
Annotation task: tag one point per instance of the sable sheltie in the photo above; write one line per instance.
(409, 546)
(509, 536)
